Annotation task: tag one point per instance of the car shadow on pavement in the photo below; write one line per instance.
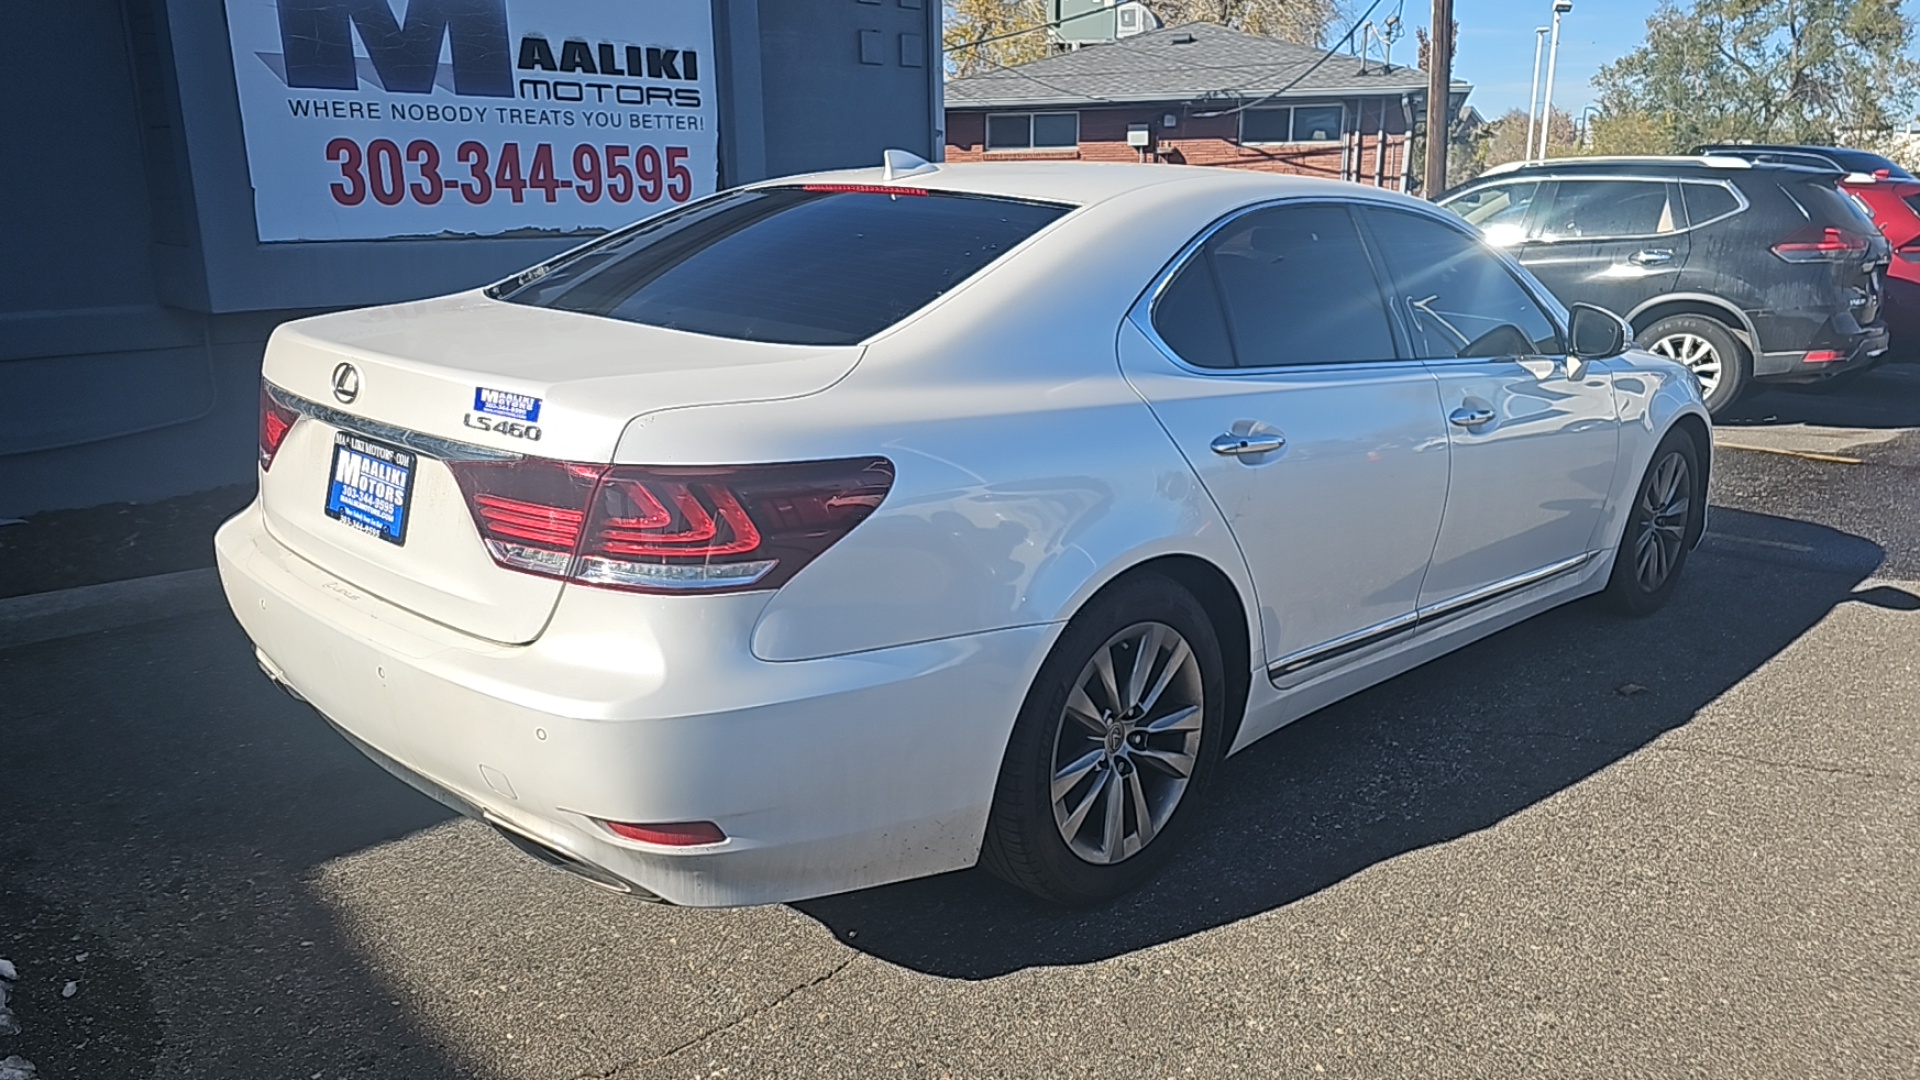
(162, 810)
(1886, 397)
(1443, 751)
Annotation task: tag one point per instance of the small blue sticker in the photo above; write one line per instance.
(502, 403)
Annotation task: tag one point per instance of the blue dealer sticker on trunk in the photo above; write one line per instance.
(523, 407)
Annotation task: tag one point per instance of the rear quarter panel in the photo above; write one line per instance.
(1028, 472)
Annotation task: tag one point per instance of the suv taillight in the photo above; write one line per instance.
(1817, 244)
(275, 421)
(668, 529)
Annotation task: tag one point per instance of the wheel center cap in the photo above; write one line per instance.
(1115, 738)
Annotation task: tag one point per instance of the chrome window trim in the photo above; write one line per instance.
(1560, 178)
(1141, 314)
(432, 446)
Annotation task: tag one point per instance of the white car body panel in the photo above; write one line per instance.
(847, 730)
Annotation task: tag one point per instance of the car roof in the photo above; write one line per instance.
(1085, 183)
(1716, 166)
(1842, 157)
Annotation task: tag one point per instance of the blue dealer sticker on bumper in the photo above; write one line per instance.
(522, 407)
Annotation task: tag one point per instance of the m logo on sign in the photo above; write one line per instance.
(317, 39)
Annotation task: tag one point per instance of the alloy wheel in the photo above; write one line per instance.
(1696, 353)
(1127, 743)
(1660, 520)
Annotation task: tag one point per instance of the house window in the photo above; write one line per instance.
(1293, 124)
(1033, 131)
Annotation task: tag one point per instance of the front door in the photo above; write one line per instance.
(1270, 358)
(1534, 435)
(1615, 243)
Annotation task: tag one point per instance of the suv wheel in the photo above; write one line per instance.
(1709, 350)
(1112, 748)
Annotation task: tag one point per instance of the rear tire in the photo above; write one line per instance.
(1707, 348)
(1106, 762)
(1662, 523)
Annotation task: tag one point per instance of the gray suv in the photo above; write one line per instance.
(1747, 272)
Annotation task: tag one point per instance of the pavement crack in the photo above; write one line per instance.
(614, 1070)
(1628, 749)
(1800, 766)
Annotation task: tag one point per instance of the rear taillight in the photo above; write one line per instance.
(668, 528)
(1817, 244)
(275, 421)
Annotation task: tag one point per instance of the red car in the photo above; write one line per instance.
(1894, 205)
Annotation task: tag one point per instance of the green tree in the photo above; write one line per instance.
(1305, 22)
(1017, 26)
(1813, 71)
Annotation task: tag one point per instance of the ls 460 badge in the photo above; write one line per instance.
(513, 429)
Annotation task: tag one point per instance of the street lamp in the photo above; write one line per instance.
(1586, 126)
(1560, 7)
(1533, 92)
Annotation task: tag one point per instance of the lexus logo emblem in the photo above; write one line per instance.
(346, 383)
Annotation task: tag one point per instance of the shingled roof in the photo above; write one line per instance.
(1190, 62)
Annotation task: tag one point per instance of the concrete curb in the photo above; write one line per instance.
(25, 620)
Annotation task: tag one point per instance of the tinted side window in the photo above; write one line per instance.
(1298, 288)
(1499, 209)
(1603, 208)
(1460, 298)
(1708, 201)
(785, 264)
(1189, 318)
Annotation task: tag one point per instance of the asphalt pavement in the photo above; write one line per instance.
(1587, 847)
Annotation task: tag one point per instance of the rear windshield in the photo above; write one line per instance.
(1824, 204)
(793, 265)
(1869, 163)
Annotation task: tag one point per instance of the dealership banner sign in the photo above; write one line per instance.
(378, 119)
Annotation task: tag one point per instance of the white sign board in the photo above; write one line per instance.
(374, 119)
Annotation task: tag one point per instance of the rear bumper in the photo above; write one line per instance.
(1859, 346)
(825, 775)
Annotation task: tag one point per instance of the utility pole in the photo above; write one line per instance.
(1533, 94)
(1439, 94)
(1560, 7)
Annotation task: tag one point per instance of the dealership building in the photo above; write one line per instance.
(183, 175)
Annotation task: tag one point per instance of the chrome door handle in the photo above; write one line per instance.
(1247, 444)
(1470, 417)
(1651, 257)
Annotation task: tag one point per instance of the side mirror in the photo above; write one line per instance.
(1598, 334)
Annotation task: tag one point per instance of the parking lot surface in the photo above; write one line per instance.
(1588, 846)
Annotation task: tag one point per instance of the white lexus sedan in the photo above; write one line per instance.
(853, 527)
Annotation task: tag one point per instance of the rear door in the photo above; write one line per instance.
(1270, 357)
(1534, 439)
(1611, 242)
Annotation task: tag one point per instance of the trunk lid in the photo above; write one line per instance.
(468, 376)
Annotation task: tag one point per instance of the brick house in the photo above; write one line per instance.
(1197, 94)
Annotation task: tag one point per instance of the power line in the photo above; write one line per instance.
(991, 38)
(1298, 79)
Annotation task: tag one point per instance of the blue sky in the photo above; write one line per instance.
(1496, 45)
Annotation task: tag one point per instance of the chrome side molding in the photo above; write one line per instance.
(1294, 663)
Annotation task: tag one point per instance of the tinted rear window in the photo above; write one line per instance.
(785, 265)
(1862, 161)
(1825, 205)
